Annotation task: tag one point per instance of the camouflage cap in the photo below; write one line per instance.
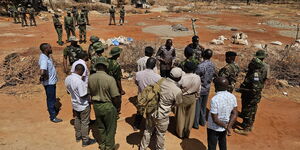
(68, 12)
(101, 60)
(261, 54)
(115, 51)
(99, 49)
(94, 38)
(73, 38)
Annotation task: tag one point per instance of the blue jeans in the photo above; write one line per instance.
(51, 100)
(200, 114)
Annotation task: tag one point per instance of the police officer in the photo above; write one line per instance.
(112, 12)
(189, 55)
(31, 12)
(198, 49)
(114, 69)
(251, 90)
(82, 27)
(98, 55)
(95, 43)
(122, 15)
(104, 94)
(75, 14)
(70, 52)
(231, 70)
(22, 12)
(58, 28)
(86, 14)
(69, 25)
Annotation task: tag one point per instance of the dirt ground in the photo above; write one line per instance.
(24, 121)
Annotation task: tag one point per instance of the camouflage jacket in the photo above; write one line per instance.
(122, 12)
(69, 22)
(82, 21)
(255, 77)
(198, 50)
(85, 11)
(191, 59)
(112, 11)
(31, 11)
(94, 59)
(92, 48)
(56, 22)
(230, 72)
(114, 69)
(71, 53)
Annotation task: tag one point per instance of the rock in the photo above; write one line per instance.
(217, 42)
(285, 93)
(59, 10)
(240, 38)
(179, 27)
(94, 12)
(283, 83)
(234, 29)
(260, 46)
(51, 11)
(234, 7)
(159, 9)
(276, 43)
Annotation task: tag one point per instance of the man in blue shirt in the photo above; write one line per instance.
(48, 78)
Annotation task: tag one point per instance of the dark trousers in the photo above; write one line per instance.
(200, 114)
(81, 124)
(138, 120)
(214, 137)
(165, 73)
(51, 100)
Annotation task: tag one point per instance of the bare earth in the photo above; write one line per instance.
(24, 120)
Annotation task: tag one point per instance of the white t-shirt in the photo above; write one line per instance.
(142, 64)
(77, 89)
(85, 74)
(221, 104)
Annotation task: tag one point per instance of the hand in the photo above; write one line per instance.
(228, 131)
(123, 92)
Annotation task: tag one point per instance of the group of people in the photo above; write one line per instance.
(183, 89)
(185, 86)
(19, 14)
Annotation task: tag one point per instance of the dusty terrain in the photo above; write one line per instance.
(24, 120)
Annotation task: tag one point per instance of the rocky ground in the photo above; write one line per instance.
(24, 119)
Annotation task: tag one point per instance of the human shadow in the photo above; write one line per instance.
(130, 121)
(192, 144)
(172, 125)
(135, 138)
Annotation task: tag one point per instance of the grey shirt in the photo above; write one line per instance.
(206, 71)
(166, 57)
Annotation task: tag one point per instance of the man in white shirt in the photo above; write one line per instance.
(82, 58)
(143, 79)
(170, 95)
(76, 87)
(190, 85)
(222, 115)
(149, 51)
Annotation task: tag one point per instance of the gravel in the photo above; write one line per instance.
(214, 27)
(166, 31)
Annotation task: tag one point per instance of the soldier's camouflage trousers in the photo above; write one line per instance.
(24, 21)
(249, 108)
(69, 30)
(82, 33)
(16, 18)
(32, 21)
(59, 32)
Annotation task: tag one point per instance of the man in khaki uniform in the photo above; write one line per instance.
(190, 84)
(170, 94)
(104, 94)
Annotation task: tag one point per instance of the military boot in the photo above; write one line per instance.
(242, 131)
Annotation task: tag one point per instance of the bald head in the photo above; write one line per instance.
(221, 84)
(151, 63)
(207, 54)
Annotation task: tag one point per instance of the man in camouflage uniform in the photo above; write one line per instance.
(198, 49)
(114, 70)
(251, 90)
(70, 52)
(189, 55)
(31, 12)
(22, 12)
(58, 28)
(15, 14)
(95, 43)
(98, 55)
(122, 15)
(112, 12)
(75, 15)
(230, 71)
(69, 25)
(82, 28)
(86, 14)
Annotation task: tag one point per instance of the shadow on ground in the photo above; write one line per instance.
(192, 144)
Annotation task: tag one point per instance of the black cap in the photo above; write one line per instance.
(230, 53)
(190, 66)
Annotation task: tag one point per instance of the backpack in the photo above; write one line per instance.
(147, 101)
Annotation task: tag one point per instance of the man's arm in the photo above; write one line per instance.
(232, 120)
(217, 121)
(158, 55)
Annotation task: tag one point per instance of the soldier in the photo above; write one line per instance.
(230, 71)
(198, 49)
(94, 44)
(22, 12)
(112, 12)
(98, 55)
(251, 90)
(114, 69)
(31, 12)
(86, 14)
(104, 94)
(70, 52)
(122, 15)
(15, 14)
(69, 25)
(189, 55)
(75, 15)
(82, 27)
(58, 28)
